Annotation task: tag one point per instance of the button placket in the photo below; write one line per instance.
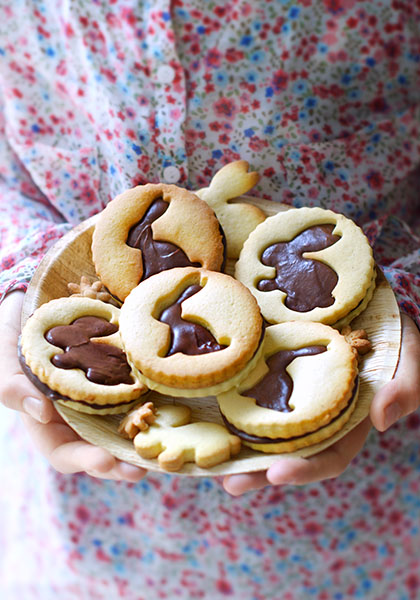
(171, 174)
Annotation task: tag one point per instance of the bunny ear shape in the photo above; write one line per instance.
(239, 219)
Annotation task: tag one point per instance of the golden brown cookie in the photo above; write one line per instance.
(237, 219)
(71, 350)
(175, 441)
(151, 228)
(308, 264)
(190, 331)
(302, 391)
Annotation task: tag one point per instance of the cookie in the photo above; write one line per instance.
(190, 332)
(237, 219)
(175, 441)
(308, 264)
(302, 391)
(70, 348)
(151, 228)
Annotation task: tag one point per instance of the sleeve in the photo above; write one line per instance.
(28, 227)
(397, 251)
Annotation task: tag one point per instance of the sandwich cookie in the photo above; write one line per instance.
(152, 228)
(308, 264)
(302, 391)
(70, 348)
(191, 332)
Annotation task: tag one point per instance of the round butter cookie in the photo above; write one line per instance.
(151, 228)
(70, 348)
(302, 390)
(191, 332)
(308, 264)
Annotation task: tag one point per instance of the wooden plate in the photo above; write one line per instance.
(70, 258)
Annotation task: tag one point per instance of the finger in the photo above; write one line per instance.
(328, 464)
(400, 396)
(121, 471)
(16, 391)
(67, 453)
(239, 484)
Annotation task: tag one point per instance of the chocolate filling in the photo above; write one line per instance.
(156, 255)
(53, 395)
(275, 388)
(308, 283)
(187, 337)
(255, 439)
(102, 363)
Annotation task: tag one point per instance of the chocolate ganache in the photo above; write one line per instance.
(156, 255)
(187, 337)
(102, 363)
(255, 439)
(275, 388)
(308, 283)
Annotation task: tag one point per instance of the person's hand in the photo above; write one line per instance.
(396, 399)
(62, 447)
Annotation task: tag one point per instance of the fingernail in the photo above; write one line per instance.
(35, 408)
(392, 413)
(131, 471)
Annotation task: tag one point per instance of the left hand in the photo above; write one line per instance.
(396, 399)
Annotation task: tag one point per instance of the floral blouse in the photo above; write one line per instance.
(322, 98)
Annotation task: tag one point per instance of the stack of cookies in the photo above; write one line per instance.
(264, 342)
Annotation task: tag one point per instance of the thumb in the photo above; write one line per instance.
(401, 396)
(16, 391)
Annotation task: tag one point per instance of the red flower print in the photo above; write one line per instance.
(257, 144)
(224, 587)
(375, 180)
(233, 55)
(143, 164)
(379, 105)
(270, 172)
(87, 194)
(214, 58)
(280, 80)
(225, 107)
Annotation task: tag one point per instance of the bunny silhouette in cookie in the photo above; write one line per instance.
(187, 337)
(275, 389)
(102, 363)
(308, 283)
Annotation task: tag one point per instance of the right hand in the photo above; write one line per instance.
(61, 446)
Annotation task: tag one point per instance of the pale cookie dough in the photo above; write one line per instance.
(180, 230)
(343, 270)
(175, 441)
(237, 219)
(189, 331)
(71, 386)
(303, 389)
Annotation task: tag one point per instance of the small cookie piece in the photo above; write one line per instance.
(308, 264)
(137, 420)
(70, 348)
(358, 340)
(91, 289)
(175, 441)
(152, 228)
(190, 332)
(302, 391)
(236, 219)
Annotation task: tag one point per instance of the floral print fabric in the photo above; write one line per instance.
(323, 100)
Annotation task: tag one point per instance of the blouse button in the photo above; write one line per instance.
(165, 74)
(171, 174)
